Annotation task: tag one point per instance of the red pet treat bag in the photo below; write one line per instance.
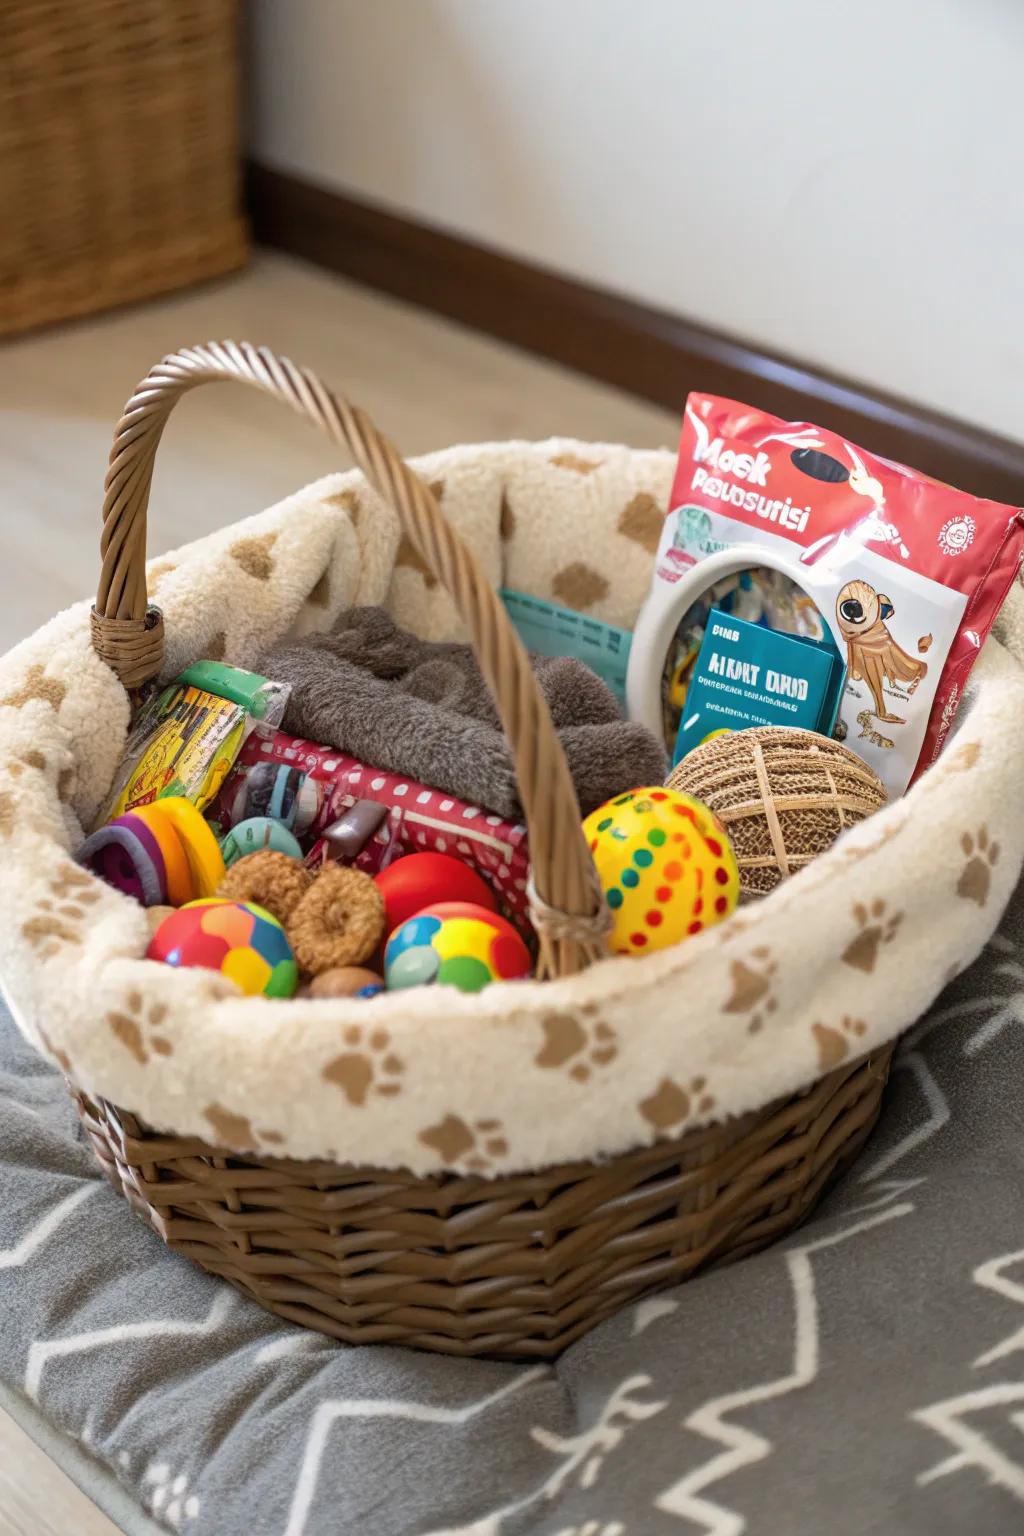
(909, 574)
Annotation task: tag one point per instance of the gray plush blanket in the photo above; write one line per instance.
(865, 1376)
(421, 708)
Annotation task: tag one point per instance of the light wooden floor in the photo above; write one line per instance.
(228, 453)
(35, 1498)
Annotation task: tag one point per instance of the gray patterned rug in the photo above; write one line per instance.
(866, 1376)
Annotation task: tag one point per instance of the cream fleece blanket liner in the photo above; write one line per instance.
(836, 961)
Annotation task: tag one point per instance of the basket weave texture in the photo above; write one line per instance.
(514, 1267)
(118, 153)
(783, 796)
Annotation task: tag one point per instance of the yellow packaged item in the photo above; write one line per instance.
(185, 739)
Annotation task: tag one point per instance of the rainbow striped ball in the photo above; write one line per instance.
(237, 938)
(456, 943)
(666, 867)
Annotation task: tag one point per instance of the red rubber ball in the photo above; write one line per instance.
(423, 879)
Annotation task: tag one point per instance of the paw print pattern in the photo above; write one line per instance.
(236, 1131)
(579, 1047)
(475, 1145)
(37, 686)
(876, 927)
(55, 923)
(254, 556)
(169, 1497)
(368, 1066)
(136, 1027)
(31, 759)
(964, 758)
(834, 1041)
(157, 570)
(976, 877)
(752, 988)
(670, 1104)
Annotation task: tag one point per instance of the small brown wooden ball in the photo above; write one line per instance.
(343, 981)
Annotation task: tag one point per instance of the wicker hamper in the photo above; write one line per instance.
(521, 1263)
(119, 173)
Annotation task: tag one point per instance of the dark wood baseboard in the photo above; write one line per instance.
(617, 340)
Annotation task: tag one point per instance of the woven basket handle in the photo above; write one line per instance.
(568, 909)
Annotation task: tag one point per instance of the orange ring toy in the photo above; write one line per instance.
(180, 884)
(205, 860)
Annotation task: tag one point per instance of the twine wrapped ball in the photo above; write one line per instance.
(783, 796)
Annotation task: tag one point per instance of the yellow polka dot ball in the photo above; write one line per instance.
(666, 867)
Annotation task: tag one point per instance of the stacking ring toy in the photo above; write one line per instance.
(179, 877)
(127, 858)
(202, 850)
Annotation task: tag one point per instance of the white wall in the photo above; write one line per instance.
(841, 180)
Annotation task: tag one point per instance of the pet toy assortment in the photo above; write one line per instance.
(322, 875)
(278, 918)
(416, 817)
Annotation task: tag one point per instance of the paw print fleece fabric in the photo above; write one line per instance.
(834, 963)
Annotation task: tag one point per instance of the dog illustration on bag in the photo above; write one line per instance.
(872, 654)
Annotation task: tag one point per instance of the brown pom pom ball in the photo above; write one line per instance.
(272, 880)
(782, 795)
(339, 921)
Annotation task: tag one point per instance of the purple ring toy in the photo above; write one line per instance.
(127, 856)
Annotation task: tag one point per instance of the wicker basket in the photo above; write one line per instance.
(118, 153)
(518, 1265)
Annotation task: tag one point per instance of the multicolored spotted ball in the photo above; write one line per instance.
(454, 943)
(666, 867)
(237, 938)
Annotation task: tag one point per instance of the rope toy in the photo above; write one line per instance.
(338, 922)
(272, 880)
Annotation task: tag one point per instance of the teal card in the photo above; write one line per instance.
(748, 675)
(552, 631)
